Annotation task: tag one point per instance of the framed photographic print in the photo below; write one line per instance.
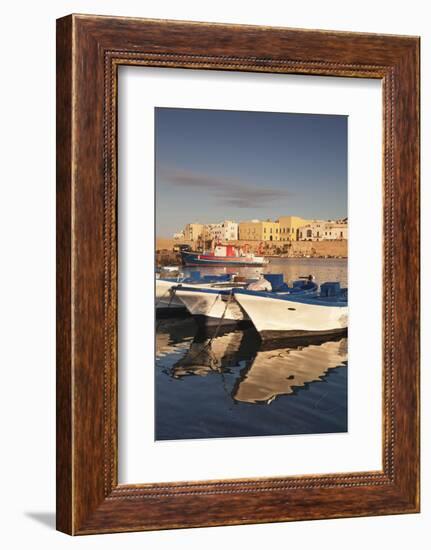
(237, 274)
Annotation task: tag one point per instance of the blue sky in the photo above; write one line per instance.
(241, 165)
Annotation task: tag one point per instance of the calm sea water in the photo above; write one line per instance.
(229, 384)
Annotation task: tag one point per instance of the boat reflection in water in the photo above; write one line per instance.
(208, 354)
(225, 383)
(280, 371)
(270, 371)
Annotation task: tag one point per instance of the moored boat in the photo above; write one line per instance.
(211, 305)
(281, 314)
(217, 304)
(222, 255)
(165, 300)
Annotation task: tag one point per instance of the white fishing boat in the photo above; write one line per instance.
(165, 300)
(211, 305)
(284, 314)
(216, 304)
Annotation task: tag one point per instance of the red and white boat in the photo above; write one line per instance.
(222, 255)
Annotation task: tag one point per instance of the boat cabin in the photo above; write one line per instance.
(225, 251)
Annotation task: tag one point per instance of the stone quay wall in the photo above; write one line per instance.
(294, 249)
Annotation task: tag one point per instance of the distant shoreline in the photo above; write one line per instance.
(275, 249)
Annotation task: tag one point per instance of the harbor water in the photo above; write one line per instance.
(227, 383)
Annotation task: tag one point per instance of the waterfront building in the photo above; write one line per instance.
(258, 230)
(337, 230)
(193, 232)
(312, 231)
(224, 231)
(289, 227)
(286, 228)
(320, 230)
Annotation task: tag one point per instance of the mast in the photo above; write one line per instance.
(203, 246)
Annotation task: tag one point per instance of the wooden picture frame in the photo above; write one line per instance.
(89, 51)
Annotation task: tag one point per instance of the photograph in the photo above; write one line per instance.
(251, 273)
(212, 301)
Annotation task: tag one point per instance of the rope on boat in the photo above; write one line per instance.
(229, 299)
(217, 329)
(210, 341)
(179, 280)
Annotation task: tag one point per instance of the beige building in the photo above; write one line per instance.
(289, 227)
(320, 230)
(224, 231)
(193, 231)
(258, 230)
(336, 231)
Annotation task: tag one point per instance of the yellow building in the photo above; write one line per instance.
(289, 227)
(257, 230)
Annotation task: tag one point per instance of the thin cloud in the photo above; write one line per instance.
(225, 190)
